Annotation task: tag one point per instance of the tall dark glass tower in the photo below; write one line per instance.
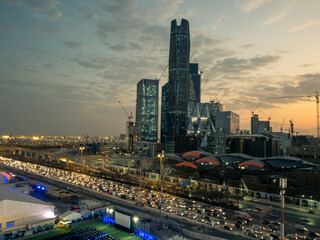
(164, 111)
(179, 80)
(147, 109)
(195, 84)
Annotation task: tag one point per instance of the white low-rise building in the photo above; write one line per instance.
(20, 212)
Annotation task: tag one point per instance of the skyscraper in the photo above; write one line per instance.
(147, 109)
(195, 82)
(179, 80)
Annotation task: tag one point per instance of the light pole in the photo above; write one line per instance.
(283, 186)
(35, 138)
(161, 183)
(83, 161)
(135, 220)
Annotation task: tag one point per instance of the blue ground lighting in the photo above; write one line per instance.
(40, 188)
(145, 235)
(108, 220)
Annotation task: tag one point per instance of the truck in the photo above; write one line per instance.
(243, 215)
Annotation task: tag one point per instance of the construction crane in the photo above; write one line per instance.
(163, 72)
(269, 118)
(291, 131)
(225, 93)
(129, 116)
(316, 96)
(281, 128)
(255, 109)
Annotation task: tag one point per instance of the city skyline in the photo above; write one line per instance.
(65, 65)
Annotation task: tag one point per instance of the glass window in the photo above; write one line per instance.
(10, 224)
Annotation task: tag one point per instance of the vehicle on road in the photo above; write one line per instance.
(314, 234)
(239, 225)
(291, 236)
(243, 215)
(252, 234)
(228, 227)
(266, 237)
(301, 228)
(266, 228)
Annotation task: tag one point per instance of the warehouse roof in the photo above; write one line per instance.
(8, 192)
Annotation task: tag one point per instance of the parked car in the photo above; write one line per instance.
(228, 227)
(239, 225)
(252, 234)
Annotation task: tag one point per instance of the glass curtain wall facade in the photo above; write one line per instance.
(179, 80)
(147, 109)
(195, 78)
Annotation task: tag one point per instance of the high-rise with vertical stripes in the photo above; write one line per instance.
(147, 109)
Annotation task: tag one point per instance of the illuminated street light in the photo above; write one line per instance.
(135, 219)
(35, 139)
(81, 150)
(6, 137)
(161, 180)
(283, 186)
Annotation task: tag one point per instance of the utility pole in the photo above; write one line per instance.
(161, 183)
(317, 101)
(83, 161)
(140, 182)
(283, 186)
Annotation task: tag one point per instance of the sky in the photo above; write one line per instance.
(64, 65)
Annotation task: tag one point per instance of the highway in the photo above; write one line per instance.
(292, 215)
(152, 212)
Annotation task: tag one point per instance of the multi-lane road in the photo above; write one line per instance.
(292, 215)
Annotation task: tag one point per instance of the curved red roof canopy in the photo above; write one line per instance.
(208, 160)
(187, 164)
(251, 163)
(191, 154)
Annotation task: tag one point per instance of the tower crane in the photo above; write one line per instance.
(255, 109)
(291, 131)
(281, 128)
(129, 116)
(316, 96)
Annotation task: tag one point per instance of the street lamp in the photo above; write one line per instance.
(35, 138)
(135, 220)
(283, 186)
(83, 162)
(6, 138)
(161, 183)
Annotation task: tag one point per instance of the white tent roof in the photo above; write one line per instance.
(8, 192)
(70, 215)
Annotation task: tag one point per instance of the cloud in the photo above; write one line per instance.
(241, 65)
(247, 46)
(55, 13)
(15, 2)
(118, 47)
(86, 11)
(41, 4)
(305, 25)
(95, 64)
(49, 65)
(250, 5)
(75, 45)
(167, 9)
(38, 7)
(276, 17)
(218, 22)
(306, 65)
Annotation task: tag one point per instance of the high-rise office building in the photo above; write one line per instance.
(228, 121)
(164, 111)
(195, 82)
(147, 109)
(179, 79)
